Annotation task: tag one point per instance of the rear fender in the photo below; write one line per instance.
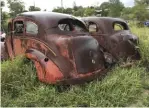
(47, 71)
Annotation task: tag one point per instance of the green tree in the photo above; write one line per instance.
(75, 8)
(104, 7)
(80, 12)
(144, 2)
(116, 8)
(141, 12)
(33, 8)
(15, 7)
(58, 9)
(127, 13)
(4, 17)
(2, 4)
(89, 11)
(68, 11)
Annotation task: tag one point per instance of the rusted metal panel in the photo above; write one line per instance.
(71, 55)
(47, 71)
(119, 43)
(59, 55)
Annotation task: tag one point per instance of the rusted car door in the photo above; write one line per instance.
(19, 31)
(25, 36)
(12, 33)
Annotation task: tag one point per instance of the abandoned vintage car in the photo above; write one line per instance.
(60, 46)
(114, 35)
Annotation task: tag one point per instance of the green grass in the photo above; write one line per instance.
(121, 87)
(143, 34)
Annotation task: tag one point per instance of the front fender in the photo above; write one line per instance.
(47, 71)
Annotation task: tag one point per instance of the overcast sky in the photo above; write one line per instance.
(50, 4)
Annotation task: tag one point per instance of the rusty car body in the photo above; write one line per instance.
(60, 46)
(114, 35)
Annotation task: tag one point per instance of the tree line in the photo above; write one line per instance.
(15, 7)
(112, 8)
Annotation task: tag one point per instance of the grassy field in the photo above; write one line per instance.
(121, 87)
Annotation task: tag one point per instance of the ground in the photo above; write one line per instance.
(127, 87)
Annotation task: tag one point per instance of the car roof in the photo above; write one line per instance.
(44, 13)
(48, 19)
(107, 19)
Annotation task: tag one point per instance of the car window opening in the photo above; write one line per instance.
(31, 28)
(92, 27)
(117, 26)
(71, 25)
(18, 27)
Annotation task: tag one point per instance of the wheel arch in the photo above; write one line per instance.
(47, 71)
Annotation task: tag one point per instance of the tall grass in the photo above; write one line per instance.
(143, 34)
(121, 87)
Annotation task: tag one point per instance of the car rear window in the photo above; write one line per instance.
(31, 28)
(120, 26)
(71, 25)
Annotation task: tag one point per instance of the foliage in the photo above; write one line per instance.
(105, 7)
(111, 8)
(127, 13)
(68, 11)
(121, 86)
(141, 12)
(116, 8)
(145, 2)
(76, 11)
(2, 4)
(4, 18)
(143, 34)
(15, 7)
(33, 8)
(58, 9)
(138, 12)
(75, 6)
(79, 12)
(89, 11)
